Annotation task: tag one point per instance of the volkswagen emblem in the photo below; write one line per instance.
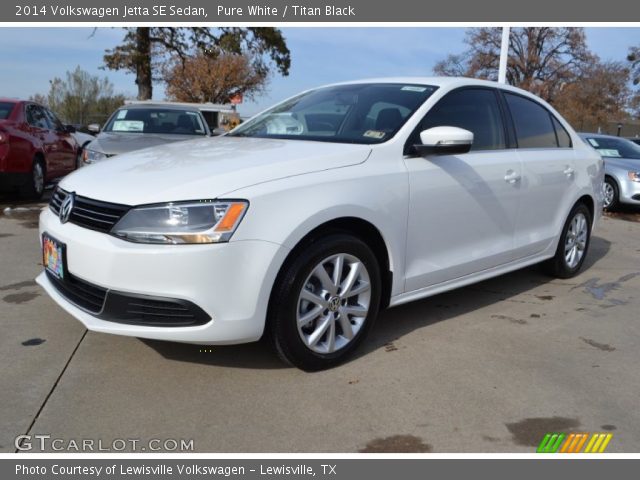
(66, 207)
(334, 304)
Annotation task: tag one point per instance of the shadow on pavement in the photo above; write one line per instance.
(392, 324)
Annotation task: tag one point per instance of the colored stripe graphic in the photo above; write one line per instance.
(573, 442)
(551, 442)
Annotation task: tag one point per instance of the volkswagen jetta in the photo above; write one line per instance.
(312, 216)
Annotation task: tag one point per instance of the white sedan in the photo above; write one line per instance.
(309, 218)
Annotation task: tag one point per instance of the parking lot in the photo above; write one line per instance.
(488, 368)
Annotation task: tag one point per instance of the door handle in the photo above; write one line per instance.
(568, 171)
(512, 177)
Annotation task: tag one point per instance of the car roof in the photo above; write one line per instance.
(10, 100)
(449, 82)
(164, 106)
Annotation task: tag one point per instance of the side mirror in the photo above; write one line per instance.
(94, 128)
(218, 131)
(444, 141)
(69, 129)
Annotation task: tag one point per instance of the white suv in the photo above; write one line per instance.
(312, 216)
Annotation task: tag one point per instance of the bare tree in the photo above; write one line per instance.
(213, 78)
(601, 96)
(145, 50)
(541, 59)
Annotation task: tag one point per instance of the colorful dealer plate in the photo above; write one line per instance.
(53, 256)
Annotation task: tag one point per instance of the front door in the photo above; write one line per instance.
(462, 208)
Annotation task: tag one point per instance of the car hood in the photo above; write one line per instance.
(119, 143)
(630, 163)
(206, 168)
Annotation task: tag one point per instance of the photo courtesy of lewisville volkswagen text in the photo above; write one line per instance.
(249, 239)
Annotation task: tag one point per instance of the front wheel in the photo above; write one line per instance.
(611, 194)
(573, 245)
(325, 302)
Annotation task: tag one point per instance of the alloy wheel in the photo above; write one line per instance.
(333, 304)
(609, 194)
(38, 178)
(576, 240)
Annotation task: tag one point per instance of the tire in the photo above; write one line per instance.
(299, 294)
(576, 237)
(34, 188)
(611, 194)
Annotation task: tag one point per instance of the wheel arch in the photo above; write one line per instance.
(360, 228)
(590, 203)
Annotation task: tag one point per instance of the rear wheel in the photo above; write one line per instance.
(611, 193)
(325, 302)
(573, 245)
(34, 188)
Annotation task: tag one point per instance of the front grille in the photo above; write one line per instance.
(83, 294)
(89, 213)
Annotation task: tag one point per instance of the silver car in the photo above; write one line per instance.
(137, 126)
(622, 168)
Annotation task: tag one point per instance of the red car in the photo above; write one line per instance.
(35, 147)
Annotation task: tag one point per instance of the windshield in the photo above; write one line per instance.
(5, 109)
(357, 113)
(156, 120)
(615, 147)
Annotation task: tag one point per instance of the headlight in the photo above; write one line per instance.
(634, 176)
(207, 221)
(90, 156)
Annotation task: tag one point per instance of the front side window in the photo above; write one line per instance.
(534, 128)
(36, 117)
(53, 120)
(156, 120)
(364, 113)
(474, 109)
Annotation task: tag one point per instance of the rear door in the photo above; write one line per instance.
(548, 173)
(462, 208)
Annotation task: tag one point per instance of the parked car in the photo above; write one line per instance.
(635, 140)
(138, 126)
(621, 166)
(82, 139)
(216, 115)
(309, 218)
(35, 147)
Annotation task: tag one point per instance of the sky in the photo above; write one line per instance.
(30, 57)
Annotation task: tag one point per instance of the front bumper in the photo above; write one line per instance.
(629, 191)
(230, 282)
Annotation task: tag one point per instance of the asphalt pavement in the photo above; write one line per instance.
(487, 368)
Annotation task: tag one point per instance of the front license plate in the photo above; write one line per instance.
(53, 253)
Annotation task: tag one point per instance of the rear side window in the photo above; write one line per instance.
(5, 110)
(473, 109)
(564, 140)
(534, 128)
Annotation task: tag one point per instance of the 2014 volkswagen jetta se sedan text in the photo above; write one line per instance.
(306, 220)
